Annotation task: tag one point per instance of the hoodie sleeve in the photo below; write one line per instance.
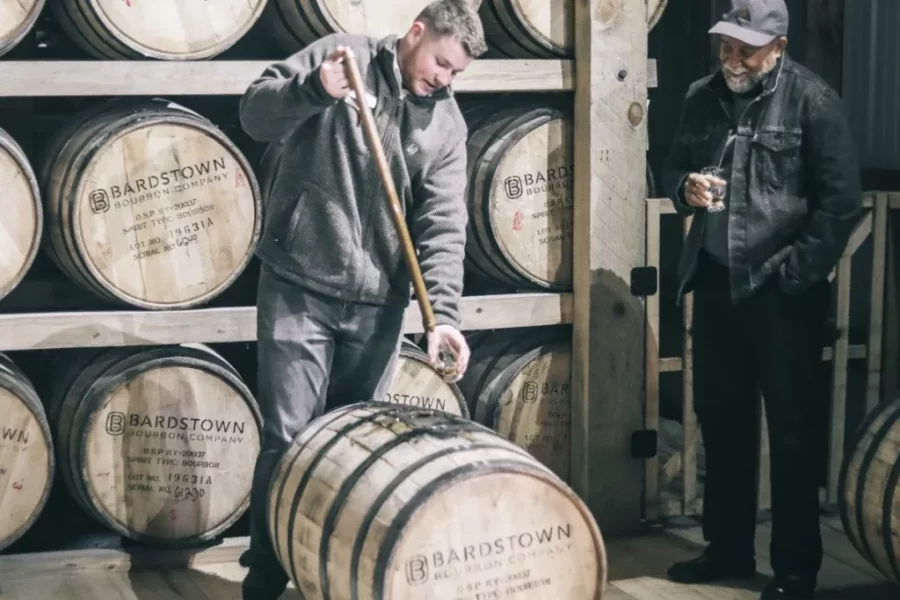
(438, 226)
(287, 93)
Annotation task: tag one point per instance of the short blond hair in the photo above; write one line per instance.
(457, 18)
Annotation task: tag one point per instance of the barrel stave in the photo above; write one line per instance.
(17, 19)
(82, 27)
(21, 229)
(75, 372)
(518, 29)
(27, 463)
(869, 490)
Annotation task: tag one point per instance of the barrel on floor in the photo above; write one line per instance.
(376, 501)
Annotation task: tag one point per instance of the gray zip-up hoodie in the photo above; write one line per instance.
(328, 225)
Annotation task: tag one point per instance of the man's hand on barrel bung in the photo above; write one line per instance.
(448, 338)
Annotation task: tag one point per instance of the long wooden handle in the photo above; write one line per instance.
(381, 163)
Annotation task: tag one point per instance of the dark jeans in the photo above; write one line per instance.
(771, 342)
(314, 354)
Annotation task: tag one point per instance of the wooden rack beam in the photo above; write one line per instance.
(231, 77)
(34, 78)
(34, 331)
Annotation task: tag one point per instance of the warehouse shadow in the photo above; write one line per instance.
(870, 591)
(192, 584)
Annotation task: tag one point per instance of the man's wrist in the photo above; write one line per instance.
(447, 319)
(680, 198)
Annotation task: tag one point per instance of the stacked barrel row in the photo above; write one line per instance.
(147, 204)
(175, 30)
(154, 443)
(158, 443)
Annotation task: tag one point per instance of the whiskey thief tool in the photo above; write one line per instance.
(446, 360)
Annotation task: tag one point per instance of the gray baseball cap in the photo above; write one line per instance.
(754, 22)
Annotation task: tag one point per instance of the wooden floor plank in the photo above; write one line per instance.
(639, 565)
(637, 571)
(835, 572)
(615, 593)
(841, 576)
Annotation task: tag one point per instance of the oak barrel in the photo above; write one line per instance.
(27, 464)
(149, 204)
(655, 10)
(519, 384)
(376, 501)
(416, 383)
(527, 29)
(17, 18)
(520, 193)
(869, 494)
(22, 220)
(157, 29)
(158, 443)
(298, 23)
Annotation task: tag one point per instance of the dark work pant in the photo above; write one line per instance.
(771, 342)
(314, 354)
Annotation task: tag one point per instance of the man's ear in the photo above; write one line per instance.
(781, 43)
(417, 30)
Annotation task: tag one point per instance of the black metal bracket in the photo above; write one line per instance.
(644, 281)
(644, 443)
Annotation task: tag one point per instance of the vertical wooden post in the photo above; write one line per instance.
(839, 360)
(651, 374)
(890, 363)
(609, 241)
(880, 210)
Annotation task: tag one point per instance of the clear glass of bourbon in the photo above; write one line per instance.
(717, 191)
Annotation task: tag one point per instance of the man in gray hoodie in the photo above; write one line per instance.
(334, 285)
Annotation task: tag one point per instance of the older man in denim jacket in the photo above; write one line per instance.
(759, 273)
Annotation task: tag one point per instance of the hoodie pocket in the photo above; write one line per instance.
(289, 235)
(316, 232)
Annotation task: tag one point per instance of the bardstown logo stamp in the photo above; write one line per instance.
(530, 392)
(513, 187)
(417, 570)
(98, 201)
(115, 423)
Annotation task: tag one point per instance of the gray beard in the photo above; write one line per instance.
(749, 81)
(743, 84)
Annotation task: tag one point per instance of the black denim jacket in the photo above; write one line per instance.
(795, 192)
